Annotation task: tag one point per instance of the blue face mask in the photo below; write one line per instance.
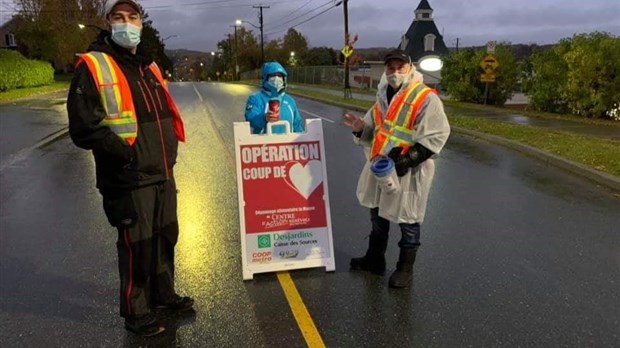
(126, 35)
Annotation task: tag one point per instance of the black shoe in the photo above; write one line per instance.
(401, 279)
(374, 265)
(144, 325)
(176, 303)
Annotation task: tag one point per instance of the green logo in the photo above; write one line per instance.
(264, 241)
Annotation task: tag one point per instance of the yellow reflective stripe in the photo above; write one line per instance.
(100, 81)
(415, 100)
(117, 90)
(110, 94)
(406, 100)
(126, 129)
(115, 121)
(406, 113)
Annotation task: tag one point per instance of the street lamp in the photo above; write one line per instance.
(430, 63)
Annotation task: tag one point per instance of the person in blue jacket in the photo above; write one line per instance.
(274, 83)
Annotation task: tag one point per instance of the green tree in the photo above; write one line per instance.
(317, 56)
(248, 50)
(49, 30)
(593, 81)
(294, 41)
(548, 79)
(460, 75)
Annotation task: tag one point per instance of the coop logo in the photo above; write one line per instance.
(261, 257)
(264, 241)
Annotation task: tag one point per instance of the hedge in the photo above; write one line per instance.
(18, 72)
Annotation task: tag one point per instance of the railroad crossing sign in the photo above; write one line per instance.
(489, 64)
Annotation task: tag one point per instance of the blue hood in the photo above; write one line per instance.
(270, 68)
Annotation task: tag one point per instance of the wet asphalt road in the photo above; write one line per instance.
(515, 253)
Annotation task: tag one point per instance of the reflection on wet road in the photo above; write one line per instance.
(514, 252)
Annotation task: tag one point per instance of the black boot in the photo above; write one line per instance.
(402, 277)
(374, 260)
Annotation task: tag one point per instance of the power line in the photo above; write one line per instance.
(294, 11)
(306, 20)
(303, 14)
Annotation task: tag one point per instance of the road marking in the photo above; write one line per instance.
(300, 312)
(315, 115)
(295, 302)
(198, 93)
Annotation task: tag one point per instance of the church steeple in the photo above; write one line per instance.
(424, 12)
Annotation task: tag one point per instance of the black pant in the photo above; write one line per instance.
(146, 219)
(410, 233)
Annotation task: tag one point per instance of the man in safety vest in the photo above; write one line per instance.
(120, 108)
(407, 124)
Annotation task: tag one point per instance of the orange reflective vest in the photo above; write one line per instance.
(396, 129)
(117, 100)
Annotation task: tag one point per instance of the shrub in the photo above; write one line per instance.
(18, 72)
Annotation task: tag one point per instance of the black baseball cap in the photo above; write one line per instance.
(397, 54)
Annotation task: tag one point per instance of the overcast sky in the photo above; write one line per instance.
(200, 24)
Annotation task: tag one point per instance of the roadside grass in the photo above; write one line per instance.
(600, 154)
(61, 83)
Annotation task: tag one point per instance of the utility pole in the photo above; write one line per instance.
(347, 86)
(236, 55)
(262, 45)
(457, 44)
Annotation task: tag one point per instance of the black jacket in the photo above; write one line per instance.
(119, 166)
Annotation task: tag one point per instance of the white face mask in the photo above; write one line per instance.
(277, 82)
(126, 34)
(396, 80)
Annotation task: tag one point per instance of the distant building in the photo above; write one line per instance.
(7, 34)
(423, 37)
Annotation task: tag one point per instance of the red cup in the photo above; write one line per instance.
(274, 107)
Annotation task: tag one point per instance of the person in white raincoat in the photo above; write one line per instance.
(407, 124)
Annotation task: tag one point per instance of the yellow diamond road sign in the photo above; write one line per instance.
(489, 64)
(487, 77)
(347, 51)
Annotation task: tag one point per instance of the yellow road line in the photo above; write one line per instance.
(300, 312)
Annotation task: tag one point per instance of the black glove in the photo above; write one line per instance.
(404, 162)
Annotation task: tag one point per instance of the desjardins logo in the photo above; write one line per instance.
(264, 241)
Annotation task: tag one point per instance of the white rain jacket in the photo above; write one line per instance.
(431, 130)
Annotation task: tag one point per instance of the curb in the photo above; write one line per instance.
(575, 168)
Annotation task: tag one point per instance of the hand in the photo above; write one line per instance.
(354, 122)
(272, 117)
(402, 163)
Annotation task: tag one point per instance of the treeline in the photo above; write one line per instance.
(579, 75)
(55, 30)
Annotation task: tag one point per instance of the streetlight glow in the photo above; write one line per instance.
(431, 63)
(238, 22)
(81, 26)
(292, 53)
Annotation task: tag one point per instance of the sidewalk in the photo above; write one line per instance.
(579, 128)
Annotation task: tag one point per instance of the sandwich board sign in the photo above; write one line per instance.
(284, 214)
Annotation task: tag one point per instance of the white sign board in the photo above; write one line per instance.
(284, 215)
